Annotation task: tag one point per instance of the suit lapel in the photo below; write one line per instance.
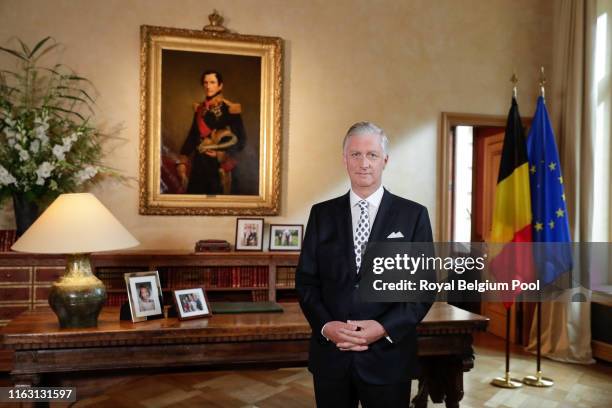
(344, 223)
(384, 214)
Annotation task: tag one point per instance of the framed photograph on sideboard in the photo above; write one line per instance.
(191, 303)
(286, 237)
(144, 295)
(249, 234)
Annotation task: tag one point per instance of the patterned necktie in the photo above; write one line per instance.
(363, 232)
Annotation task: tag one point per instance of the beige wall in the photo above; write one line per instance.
(398, 63)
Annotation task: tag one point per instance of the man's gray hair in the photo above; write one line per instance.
(366, 128)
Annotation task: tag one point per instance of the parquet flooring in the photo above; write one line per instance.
(576, 386)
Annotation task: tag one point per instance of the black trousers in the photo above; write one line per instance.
(348, 391)
(204, 177)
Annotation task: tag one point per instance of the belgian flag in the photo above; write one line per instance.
(512, 215)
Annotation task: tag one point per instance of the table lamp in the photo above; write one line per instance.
(76, 225)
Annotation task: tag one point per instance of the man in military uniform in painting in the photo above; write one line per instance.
(216, 132)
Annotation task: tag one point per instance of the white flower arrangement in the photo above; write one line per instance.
(47, 144)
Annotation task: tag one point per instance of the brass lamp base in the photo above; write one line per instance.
(538, 381)
(506, 382)
(78, 296)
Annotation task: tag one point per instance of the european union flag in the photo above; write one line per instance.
(550, 222)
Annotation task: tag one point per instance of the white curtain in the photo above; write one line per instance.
(566, 326)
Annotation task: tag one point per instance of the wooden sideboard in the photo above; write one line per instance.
(44, 353)
(25, 279)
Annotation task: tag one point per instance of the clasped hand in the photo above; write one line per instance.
(354, 335)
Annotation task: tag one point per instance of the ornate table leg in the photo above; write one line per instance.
(442, 380)
(452, 382)
(420, 400)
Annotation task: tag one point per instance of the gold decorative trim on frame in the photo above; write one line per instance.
(269, 49)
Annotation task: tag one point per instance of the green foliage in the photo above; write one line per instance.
(48, 144)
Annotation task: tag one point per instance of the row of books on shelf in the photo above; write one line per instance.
(216, 277)
(285, 277)
(113, 277)
(259, 295)
(187, 277)
(7, 239)
(116, 299)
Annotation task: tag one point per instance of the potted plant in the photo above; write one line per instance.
(48, 143)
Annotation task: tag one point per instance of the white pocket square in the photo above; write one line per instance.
(397, 234)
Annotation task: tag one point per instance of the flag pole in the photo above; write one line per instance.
(506, 381)
(538, 380)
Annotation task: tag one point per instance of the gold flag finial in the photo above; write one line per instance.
(542, 82)
(514, 80)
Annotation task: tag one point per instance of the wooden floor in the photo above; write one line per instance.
(576, 386)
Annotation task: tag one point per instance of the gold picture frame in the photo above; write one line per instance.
(172, 110)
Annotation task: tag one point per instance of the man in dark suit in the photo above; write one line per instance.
(216, 133)
(359, 351)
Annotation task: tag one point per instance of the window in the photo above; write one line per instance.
(462, 231)
(602, 229)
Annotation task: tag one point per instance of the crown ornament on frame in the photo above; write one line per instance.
(216, 23)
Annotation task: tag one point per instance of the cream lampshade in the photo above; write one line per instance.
(76, 225)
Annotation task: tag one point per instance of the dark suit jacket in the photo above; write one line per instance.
(327, 282)
(204, 177)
